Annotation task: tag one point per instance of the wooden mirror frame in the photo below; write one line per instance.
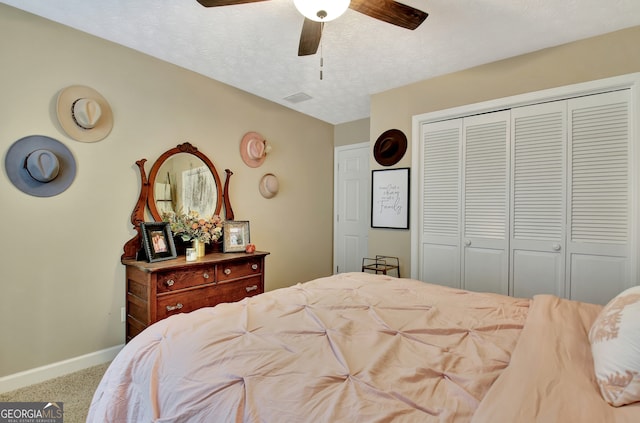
(182, 148)
(146, 197)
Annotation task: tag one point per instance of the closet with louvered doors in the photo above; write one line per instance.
(537, 202)
(465, 202)
(538, 199)
(600, 205)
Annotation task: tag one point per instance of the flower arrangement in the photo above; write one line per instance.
(192, 227)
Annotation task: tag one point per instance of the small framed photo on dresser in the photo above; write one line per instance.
(235, 235)
(157, 241)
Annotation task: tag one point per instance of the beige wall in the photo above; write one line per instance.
(351, 132)
(590, 59)
(62, 284)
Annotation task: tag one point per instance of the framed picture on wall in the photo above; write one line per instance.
(235, 235)
(390, 198)
(157, 241)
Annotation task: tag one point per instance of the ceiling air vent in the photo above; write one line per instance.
(298, 98)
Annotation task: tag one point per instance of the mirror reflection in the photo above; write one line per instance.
(183, 180)
(184, 183)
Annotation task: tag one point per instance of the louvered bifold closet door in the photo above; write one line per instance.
(440, 202)
(485, 202)
(599, 196)
(538, 158)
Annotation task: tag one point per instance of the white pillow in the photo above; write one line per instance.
(615, 345)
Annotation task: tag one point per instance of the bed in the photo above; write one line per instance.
(358, 347)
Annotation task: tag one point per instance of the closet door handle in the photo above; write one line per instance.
(556, 247)
(467, 242)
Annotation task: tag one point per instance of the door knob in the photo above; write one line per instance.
(467, 242)
(556, 247)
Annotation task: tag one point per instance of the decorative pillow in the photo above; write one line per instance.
(615, 345)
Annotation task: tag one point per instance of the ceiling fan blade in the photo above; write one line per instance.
(216, 3)
(310, 37)
(390, 11)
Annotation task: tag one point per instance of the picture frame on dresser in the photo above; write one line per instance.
(157, 241)
(235, 236)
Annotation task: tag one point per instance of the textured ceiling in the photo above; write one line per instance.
(254, 46)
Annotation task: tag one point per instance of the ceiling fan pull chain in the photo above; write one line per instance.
(321, 58)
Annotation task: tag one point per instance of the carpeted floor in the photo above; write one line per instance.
(75, 390)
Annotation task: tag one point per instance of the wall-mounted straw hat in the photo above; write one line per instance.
(269, 185)
(253, 149)
(84, 114)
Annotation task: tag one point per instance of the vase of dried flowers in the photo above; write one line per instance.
(192, 228)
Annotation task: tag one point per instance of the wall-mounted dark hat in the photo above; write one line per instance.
(390, 147)
(40, 166)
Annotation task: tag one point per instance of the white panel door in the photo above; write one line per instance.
(351, 209)
(485, 203)
(538, 157)
(440, 203)
(599, 196)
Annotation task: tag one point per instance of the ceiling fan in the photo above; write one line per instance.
(388, 11)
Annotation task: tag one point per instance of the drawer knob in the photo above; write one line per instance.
(205, 275)
(170, 282)
(175, 307)
(252, 288)
(227, 271)
(254, 266)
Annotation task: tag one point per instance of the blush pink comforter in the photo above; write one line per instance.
(347, 348)
(551, 376)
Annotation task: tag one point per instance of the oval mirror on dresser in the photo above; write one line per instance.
(183, 180)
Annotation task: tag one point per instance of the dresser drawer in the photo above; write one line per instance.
(180, 279)
(184, 302)
(208, 296)
(235, 291)
(239, 269)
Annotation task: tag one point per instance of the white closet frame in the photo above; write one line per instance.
(629, 81)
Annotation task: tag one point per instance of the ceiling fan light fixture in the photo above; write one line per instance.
(322, 10)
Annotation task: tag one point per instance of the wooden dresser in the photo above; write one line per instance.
(161, 289)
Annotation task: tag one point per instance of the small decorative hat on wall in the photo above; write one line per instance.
(390, 147)
(253, 149)
(84, 114)
(40, 166)
(269, 185)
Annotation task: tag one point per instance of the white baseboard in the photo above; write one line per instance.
(61, 368)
